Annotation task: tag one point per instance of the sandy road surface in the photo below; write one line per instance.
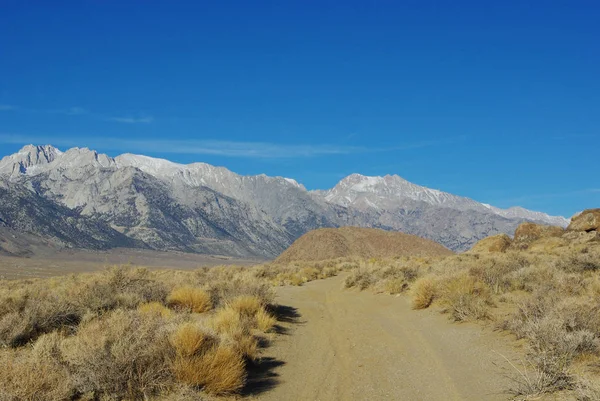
(360, 346)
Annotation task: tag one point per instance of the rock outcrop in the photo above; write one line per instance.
(588, 220)
(527, 233)
(495, 243)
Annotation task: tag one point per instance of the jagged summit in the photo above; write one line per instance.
(28, 156)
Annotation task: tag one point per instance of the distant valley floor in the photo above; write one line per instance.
(60, 262)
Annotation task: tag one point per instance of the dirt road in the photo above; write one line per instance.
(347, 345)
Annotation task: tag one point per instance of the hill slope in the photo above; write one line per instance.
(331, 243)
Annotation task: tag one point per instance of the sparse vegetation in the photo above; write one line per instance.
(192, 299)
(128, 333)
(551, 299)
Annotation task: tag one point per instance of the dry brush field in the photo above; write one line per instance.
(134, 334)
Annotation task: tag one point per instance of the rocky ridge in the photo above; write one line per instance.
(159, 204)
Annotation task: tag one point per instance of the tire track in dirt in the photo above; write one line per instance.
(361, 346)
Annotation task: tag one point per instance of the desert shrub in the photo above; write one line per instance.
(546, 374)
(246, 305)
(191, 340)
(155, 308)
(359, 278)
(41, 313)
(424, 292)
(238, 322)
(121, 354)
(24, 377)
(395, 285)
(218, 371)
(566, 328)
(310, 273)
(191, 299)
(528, 278)
(117, 286)
(495, 271)
(221, 292)
(229, 322)
(298, 273)
(466, 298)
(579, 261)
(265, 322)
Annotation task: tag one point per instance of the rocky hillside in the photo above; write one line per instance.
(583, 229)
(332, 243)
(24, 211)
(133, 200)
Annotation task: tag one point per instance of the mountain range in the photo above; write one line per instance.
(82, 198)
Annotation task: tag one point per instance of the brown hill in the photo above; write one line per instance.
(332, 243)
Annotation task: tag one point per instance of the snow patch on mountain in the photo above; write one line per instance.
(383, 192)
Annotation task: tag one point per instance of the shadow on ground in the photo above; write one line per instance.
(284, 314)
(261, 377)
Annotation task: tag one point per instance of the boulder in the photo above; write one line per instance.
(527, 233)
(588, 220)
(495, 243)
(581, 237)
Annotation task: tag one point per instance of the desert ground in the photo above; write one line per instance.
(52, 263)
(346, 345)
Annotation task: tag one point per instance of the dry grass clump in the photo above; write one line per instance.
(191, 299)
(155, 308)
(204, 361)
(220, 370)
(241, 323)
(111, 335)
(424, 292)
(465, 298)
(190, 339)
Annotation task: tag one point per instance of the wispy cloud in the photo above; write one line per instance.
(132, 120)
(80, 111)
(242, 149)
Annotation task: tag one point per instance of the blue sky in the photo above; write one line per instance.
(498, 101)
